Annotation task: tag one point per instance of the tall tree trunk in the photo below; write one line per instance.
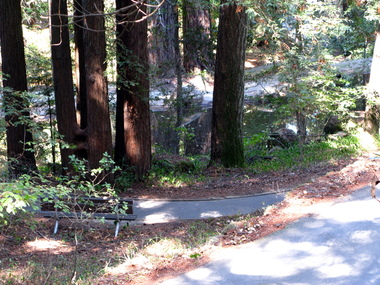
(227, 117)
(163, 27)
(133, 133)
(372, 112)
(98, 129)
(63, 79)
(80, 69)
(19, 138)
(179, 90)
(166, 59)
(197, 43)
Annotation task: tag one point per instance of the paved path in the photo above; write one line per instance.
(340, 244)
(156, 211)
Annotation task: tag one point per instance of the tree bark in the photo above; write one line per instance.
(80, 68)
(227, 118)
(98, 128)
(19, 138)
(301, 125)
(63, 80)
(133, 133)
(179, 90)
(197, 43)
(163, 27)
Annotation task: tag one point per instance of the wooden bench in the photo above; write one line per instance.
(83, 207)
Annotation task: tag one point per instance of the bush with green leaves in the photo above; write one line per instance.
(304, 155)
(26, 193)
(16, 197)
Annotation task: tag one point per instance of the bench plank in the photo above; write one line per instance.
(83, 207)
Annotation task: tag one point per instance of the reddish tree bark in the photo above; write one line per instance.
(63, 79)
(133, 133)
(98, 128)
(19, 138)
(80, 69)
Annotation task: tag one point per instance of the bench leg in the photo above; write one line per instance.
(56, 226)
(117, 228)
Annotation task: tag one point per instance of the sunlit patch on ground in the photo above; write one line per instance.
(53, 246)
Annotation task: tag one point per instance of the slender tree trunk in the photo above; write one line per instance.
(179, 89)
(98, 128)
(80, 69)
(227, 118)
(19, 138)
(63, 79)
(197, 43)
(133, 133)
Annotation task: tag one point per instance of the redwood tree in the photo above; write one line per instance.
(98, 130)
(197, 43)
(133, 133)
(19, 138)
(162, 39)
(63, 79)
(227, 117)
(80, 70)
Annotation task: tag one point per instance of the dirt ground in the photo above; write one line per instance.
(223, 183)
(317, 184)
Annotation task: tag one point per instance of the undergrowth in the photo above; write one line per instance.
(303, 155)
(82, 255)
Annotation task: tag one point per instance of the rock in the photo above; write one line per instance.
(282, 138)
(338, 135)
(174, 163)
(333, 126)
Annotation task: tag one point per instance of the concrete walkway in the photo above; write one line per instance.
(339, 244)
(158, 211)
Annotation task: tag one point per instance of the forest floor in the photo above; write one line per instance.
(316, 184)
(149, 253)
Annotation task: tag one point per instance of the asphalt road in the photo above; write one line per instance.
(156, 211)
(338, 244)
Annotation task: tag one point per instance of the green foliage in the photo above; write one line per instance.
(15, 197)
(178, 171)
(200, 232)
(35, 12)
(39, 69)
(304, 38)
(303, 155)
(29, 191)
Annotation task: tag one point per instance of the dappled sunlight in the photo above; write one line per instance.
(211, 214)
(52, 246)
(159, 217)
(280, 258)
(367, 141)
(138, 262)
(201, 274)
(161, 211)
(354, 211)
(151, 204)
(365, 236)
(165, 248)
(333, 243)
